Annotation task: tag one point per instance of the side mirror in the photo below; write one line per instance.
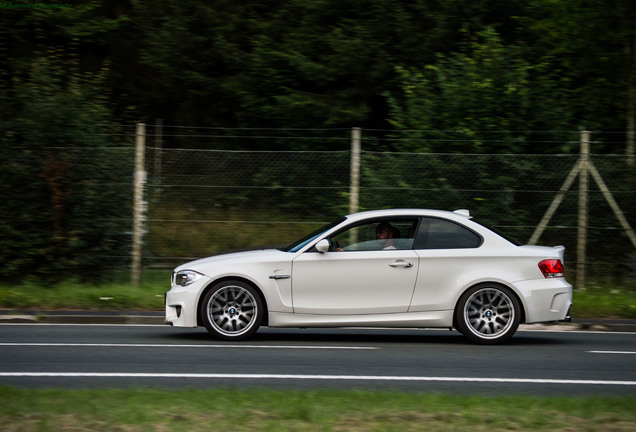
(323, 246)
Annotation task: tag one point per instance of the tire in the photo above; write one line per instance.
(232, 310)
(488, 314)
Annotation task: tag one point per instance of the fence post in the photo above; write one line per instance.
(583, 210)
(556, 202)
(354, 197)
(138, 204)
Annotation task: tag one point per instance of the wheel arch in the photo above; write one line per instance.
(522, 305)
(214, 282)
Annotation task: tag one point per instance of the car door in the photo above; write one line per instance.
(363, 276)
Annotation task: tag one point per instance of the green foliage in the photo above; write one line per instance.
(486, 87)
(62, 172)
(453, 70)
(591, 44)
(286, 63)
(492, 97)
(329, 63)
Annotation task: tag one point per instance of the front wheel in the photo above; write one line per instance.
(232, 310)
(488, 314)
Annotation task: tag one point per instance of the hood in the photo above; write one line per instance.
(229, 258)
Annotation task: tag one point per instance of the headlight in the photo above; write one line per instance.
(185, 277)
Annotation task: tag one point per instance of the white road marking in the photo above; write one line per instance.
(612, 352)
(110, 345)
(313, 377)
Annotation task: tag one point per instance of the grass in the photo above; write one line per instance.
(271, 410)
(117, 294)
(605, 301)
(597, 301)
(207, 232)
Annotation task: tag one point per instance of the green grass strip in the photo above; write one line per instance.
(269, 410)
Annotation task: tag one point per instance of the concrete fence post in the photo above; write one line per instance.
(138, 203)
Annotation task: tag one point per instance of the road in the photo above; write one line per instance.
(121, 356)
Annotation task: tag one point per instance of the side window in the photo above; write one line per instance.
(379, 234)
(443, 234)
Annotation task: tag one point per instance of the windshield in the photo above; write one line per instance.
(299, 244)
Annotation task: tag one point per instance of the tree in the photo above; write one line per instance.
(64, 185)
(288, 63)
(593, 43)
(486, 98)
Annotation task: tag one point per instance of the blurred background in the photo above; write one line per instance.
(250, 112)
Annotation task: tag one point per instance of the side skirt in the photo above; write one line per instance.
(431, 319)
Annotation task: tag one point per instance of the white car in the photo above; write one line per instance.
(384, 268)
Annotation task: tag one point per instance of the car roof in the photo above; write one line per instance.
(457, 214)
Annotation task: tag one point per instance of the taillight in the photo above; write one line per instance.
(551, 268)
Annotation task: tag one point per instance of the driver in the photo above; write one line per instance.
(385, 232)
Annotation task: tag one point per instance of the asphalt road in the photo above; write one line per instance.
(124, 356)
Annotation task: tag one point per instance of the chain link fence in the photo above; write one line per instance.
(203, 201)
(207, 193)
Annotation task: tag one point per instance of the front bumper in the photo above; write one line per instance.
(182, 304)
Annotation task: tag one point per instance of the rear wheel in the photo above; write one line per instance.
(488, 314)
(232, 310)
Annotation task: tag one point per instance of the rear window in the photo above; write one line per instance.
(437, 233)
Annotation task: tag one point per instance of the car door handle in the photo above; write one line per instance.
(401, 263)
